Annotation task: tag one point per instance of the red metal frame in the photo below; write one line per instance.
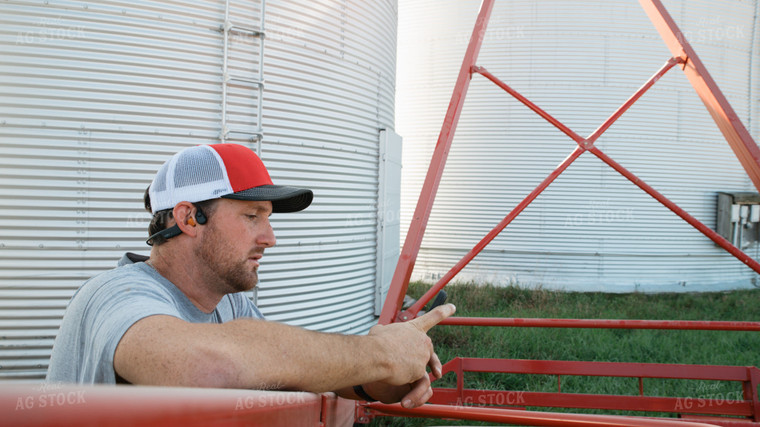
(681, 325)
(742, 407)
(738, 409)
(734, 131)
(411, 247)
(104, 405)
(746, 151)
(530, 418)
(720, 109)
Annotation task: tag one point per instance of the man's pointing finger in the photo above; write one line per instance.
(434, 316)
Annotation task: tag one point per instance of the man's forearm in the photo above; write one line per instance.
(257, 354)
(269, 355)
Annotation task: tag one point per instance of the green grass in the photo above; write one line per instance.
(610, 345)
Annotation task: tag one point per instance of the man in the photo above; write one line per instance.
(179, 317)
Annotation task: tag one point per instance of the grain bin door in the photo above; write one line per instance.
(388, 207)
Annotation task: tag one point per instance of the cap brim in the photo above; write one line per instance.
(284, 199)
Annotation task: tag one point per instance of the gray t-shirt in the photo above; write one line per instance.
(102, 310)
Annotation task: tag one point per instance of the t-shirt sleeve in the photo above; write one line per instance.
(110, 312)
(242, 306)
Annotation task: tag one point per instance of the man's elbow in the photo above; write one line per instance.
(195, 366)
(212, 368)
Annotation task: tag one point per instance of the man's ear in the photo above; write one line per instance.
(183, 215)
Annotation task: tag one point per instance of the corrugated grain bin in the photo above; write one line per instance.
(94, 96)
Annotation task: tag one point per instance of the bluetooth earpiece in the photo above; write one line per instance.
(200, 216)
(174, 230)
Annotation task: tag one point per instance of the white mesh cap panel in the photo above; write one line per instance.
(192, 175)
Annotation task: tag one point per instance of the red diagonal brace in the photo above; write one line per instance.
(715, 237)
(635, 97)
(582, 143)
(414, 309)
(528, 103)
(400, 280)
(728, 122)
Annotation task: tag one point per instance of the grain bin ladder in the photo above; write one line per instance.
(254, 78)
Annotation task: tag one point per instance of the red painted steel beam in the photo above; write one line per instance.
(741, 142)
(559, 125)
(583, 143)
(751, 390)
(630, 101)
(535, 108)
(532, 418)
(608, 369)
(412, 311)
(743, 402)
(604, 323)
(411, 248)
(708, 406)
(68, 405)
(720, 421)
(707, 231)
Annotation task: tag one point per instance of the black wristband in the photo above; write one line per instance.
(359, 390)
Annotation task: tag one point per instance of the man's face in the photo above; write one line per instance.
(233, 242)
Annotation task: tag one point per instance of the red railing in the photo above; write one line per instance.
(46, 405)
(683, 325)
(530, 418)
(734, 408)
(741, 403)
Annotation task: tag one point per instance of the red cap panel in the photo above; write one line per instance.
(244, 168)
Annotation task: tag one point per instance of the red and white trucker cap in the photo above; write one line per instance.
(231, 171)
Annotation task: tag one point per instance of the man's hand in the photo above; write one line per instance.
(410, 395)
(411, 351)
